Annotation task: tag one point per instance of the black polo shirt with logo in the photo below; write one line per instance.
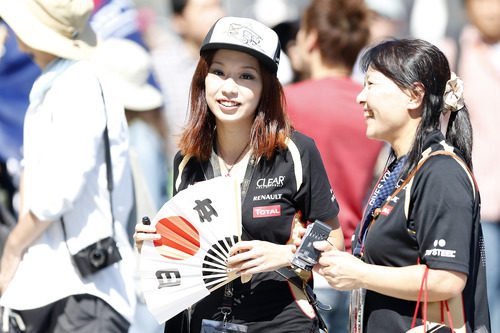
(290, 188)
(442, 230)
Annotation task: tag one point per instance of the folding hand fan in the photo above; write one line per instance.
(198, 226)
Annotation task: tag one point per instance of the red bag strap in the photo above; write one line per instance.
(424, 281)
(423, 288)
(448, 312)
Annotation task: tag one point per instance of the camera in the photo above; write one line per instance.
(306, 255)
(97, 256)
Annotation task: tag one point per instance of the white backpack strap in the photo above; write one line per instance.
(182, 165)
(297, 164)
(425, 154)
(407, 198)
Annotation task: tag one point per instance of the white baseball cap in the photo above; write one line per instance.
(245, 35)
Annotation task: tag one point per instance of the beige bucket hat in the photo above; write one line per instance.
(58, 27)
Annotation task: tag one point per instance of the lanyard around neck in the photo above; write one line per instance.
(385, 186)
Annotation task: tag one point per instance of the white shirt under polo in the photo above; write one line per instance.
(65, 175)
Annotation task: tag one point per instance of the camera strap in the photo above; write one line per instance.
(109, 171)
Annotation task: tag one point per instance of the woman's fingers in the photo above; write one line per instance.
(241, 246)
(258, 256)
(144, 232)
(324, 246)
(144, 228)
(146, 236)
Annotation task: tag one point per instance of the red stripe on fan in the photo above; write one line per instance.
(173, 240)
(179, 234)
(182, 227)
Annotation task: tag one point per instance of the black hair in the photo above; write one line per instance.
(411, 61)
(178, 6)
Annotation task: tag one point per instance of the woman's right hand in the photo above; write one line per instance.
(342, 270)
(144, 232)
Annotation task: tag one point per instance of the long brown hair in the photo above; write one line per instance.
(270, 128)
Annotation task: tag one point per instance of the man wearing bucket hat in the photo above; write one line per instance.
(67, 265)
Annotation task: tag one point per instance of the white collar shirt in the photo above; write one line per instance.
(65, 176)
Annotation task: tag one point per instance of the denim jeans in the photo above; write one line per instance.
(337, 320)
(491, 232)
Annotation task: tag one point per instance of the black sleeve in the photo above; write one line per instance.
(190, 173)
(442, 209)
(315, 197)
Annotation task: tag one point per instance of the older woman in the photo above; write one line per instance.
(430, 225)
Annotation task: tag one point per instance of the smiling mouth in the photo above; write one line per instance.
(228, 104)
(368, 114)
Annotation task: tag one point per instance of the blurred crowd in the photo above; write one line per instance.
(149, 51)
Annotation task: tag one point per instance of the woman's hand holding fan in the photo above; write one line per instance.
(251, 257)
(186, 258)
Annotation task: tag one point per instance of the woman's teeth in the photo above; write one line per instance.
(229, 103)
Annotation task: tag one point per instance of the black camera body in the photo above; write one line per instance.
(306, 255)
(97, 256)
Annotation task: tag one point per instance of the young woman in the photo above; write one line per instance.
(433, 222)
(238, 128)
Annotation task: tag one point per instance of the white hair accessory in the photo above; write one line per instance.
(454, 94)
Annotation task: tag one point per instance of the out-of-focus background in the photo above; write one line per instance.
(170, 32)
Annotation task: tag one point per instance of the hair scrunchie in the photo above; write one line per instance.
(454, 94)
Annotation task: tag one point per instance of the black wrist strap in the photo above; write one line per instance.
(109, 171)
(296, 280)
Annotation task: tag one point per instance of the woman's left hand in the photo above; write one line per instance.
(250, 257)
(342, 270)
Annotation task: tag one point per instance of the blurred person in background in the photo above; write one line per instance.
(479, 67)
(331, 35)
(287, 33)
(438, 22)
(126, 66)
(76, 188)
(272, 14)
(110, 18)
(386, 19)
(175, 49)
